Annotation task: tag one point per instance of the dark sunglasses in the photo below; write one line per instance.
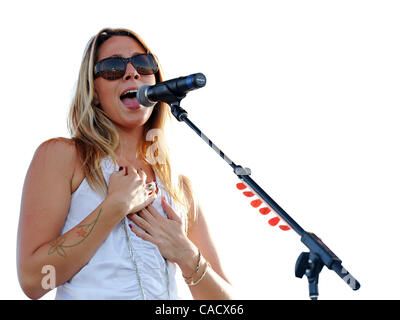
(115, 67)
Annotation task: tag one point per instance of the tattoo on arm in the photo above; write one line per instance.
(83, 231)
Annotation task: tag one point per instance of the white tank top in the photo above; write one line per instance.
(124, 266)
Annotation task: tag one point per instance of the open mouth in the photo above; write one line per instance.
(130, 94)
(128, 98)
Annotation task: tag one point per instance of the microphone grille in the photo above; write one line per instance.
(199, 80)
(142, 98)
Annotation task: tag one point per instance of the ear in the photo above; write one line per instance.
(96, 101)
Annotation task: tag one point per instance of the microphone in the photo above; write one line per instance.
(170, 90)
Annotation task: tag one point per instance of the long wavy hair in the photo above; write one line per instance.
(96, 137)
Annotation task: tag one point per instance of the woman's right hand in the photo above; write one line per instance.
(127, 190)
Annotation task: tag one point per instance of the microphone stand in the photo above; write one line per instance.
(308, 263)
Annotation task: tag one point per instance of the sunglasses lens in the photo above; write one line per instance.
(111, 69)
(114, 68)
(145, 64)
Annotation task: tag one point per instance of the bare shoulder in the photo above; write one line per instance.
(56, 157)
(63, 145)
(191, 198)
(46, 194)
(185, 181)
(187, 186)
(60, 152)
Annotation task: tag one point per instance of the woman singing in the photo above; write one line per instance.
(104, 212)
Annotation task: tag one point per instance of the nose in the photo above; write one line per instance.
(131, 72)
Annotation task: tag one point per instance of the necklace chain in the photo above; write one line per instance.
(136, 267)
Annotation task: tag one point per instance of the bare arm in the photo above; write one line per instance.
(44, 207)
(215, 284)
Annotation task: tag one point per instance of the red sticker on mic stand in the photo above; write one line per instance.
(272, 221)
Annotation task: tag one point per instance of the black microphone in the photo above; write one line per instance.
(170, 90)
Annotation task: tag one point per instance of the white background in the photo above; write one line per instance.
(305, 93)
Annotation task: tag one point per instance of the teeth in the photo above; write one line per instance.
(129, 92)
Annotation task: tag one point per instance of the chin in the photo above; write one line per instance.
(130, 118)
(135, 121)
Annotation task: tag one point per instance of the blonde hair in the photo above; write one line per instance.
(96, 137)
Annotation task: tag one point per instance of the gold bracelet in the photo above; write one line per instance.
(201, 278)
(197, 269)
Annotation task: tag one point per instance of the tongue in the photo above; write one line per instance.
(130, 102)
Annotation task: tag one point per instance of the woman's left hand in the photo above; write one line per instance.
(168, 234)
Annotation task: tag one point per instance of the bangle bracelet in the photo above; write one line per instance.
(197, 269)
(201, 278)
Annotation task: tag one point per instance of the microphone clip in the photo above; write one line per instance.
(178, 112)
